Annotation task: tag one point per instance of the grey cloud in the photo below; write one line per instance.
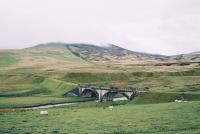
(154, 26)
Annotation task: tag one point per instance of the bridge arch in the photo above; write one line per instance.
(129, 95)
(109, 96)
(89, 93)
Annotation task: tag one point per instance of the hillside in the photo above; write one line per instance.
(190, 57)
(85, 63)
(61, 56)
(112, 54)
(49, 56)
(57, 59)
(56, 55)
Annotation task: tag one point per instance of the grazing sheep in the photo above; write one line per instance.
(44, 113)
(111, 107)
(179, 101)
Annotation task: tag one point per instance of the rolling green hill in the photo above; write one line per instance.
(61, 56)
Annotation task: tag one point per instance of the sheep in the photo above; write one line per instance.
(111, 108)
(179, 101)
(44, 113)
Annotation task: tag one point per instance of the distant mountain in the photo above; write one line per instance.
(112, 54)
(191, 57)
(62, 55)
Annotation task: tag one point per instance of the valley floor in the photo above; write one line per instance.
(163, 118)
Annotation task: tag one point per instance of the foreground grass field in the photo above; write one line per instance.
(165, 118)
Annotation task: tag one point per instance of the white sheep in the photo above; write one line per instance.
(178, 101)
(111, 107)
(44, 113)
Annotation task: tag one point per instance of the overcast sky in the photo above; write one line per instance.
(154, 26)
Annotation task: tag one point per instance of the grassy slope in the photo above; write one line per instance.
(167, 118)
(86, 77)
(54, 51)
(164, 97)
(19, 79)
(50, 87)
(26, 92)
(56, 87)
(6, 59)
(50, 91)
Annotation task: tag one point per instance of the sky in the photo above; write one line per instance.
(166, 27)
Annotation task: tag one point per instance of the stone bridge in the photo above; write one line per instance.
(108, 94)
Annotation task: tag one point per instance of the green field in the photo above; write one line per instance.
(166, 118)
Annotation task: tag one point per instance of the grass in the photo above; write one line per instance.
(49, 91)
(56, 87)
(167, 83)
(22, 85)
(86, 77)
(20, 93)
(51, 50)
(6, 59)
(164, 97)
(166, 118)
(20, 102)
(14, 80)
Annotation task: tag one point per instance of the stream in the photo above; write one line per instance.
(51, 106)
